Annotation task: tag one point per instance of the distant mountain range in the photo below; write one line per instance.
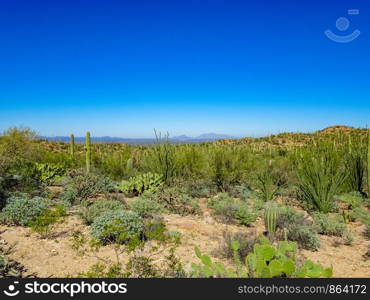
(181, 139)
(204, 136)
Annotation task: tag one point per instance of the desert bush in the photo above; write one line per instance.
(8, 266)
(321, 176)
(348, 237)
(242, 192)
(295, 227)
(145, 207)
(162, 158)
(19, 143)
(50, 173)
(363, 215)
(21, 211)
(7, 185)
(246, 241)
(6, 164)
(118, 164)
(117, 226)
(43, 223)
(197, 188)
(225, 167)
(143, 183)
(327, 225)
(89, 211)
(268, 184)
(229, 209)
(81, 186)
(355, 168)
(175, 200)
(353, 199)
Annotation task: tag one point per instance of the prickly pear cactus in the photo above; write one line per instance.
(143, 183)
(266, 261)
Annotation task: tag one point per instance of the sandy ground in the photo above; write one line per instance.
(55, 257)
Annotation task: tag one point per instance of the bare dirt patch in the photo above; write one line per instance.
(55, 257)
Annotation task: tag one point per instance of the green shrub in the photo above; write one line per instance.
(43, 223)
(268, 185)
(8, 266)
(81, 186)
(70, 195)
(175, 200)
(320, 178)
(244, 216)
(348, 237)
(241, 191)
(328, 225)
(199, 189)
(145, 207)
(90, 211)
(161, 158)
(7, 184)
(21, 211)
(353, 199)
(229, 209)
(105, 184)
(225, 168)
(246, 241)
(50, 173)
(117, 226)
(297, 228)
(363, 216)
(355, 165)
(143, 183)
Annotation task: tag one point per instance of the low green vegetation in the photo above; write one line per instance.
(89, 211)
(142, 183)
(298, 186)
(229, 209)
(117, 226)
(43, 223)
(265, 261)
(21, 210)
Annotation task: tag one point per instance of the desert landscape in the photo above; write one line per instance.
(285, 205)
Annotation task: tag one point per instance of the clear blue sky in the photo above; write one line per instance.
(122, 68)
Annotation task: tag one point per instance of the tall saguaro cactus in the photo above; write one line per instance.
(72, 150)
(270, 217)
(88, 152)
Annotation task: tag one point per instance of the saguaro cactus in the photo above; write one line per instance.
(88, 152)
(72, 150)
(270, 217)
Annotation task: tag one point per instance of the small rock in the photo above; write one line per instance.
(209, 220)
(54, 252)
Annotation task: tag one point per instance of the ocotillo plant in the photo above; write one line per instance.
(88, 152)
(72, 146)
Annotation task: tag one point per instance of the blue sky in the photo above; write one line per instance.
(122, 68)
